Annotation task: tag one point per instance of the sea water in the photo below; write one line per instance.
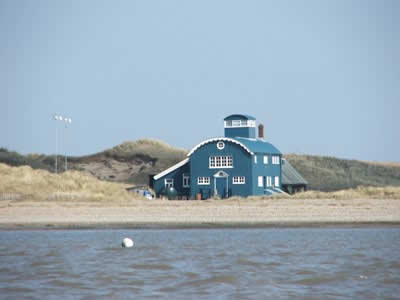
(268, 263)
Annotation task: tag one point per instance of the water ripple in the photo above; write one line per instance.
(299, 263)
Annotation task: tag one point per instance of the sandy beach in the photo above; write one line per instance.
(164, 213)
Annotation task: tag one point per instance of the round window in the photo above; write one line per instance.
(220, 145)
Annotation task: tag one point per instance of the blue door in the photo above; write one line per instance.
(221, 187)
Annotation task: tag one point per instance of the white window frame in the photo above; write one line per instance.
(265, 159)
(220, 162)
(276, 181)
(220, 145)
(255, 158)
(238, 180)
(168, 182)
(269, 181)
(201, 180)
(185, 180)
(239, 123)
(275, 160)
(260, 181)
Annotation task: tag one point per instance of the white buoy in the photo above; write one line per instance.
(127, 243)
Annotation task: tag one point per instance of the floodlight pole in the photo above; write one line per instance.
(66, 166)
(56, 118)
(67, 121)
(56, 145)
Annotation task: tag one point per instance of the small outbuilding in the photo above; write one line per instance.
(292, 181)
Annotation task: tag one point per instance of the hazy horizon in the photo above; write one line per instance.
(322, 76)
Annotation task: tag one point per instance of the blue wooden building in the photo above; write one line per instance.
(240, 163)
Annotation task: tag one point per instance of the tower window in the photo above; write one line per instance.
(240, 123)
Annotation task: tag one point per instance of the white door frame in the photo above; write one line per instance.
(221, 174)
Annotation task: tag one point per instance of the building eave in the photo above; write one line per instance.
(173, 168)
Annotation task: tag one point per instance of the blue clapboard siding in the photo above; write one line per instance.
(199, 164)
(177, 176)
(265, 170)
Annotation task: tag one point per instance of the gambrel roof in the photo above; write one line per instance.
(258, 145)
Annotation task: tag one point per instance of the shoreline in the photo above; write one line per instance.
(156, 214)
(177, 226)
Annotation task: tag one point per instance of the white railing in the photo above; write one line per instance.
(239, 123)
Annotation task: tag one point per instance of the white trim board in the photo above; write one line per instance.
(220, 139)
(280, 190)
(169, 170)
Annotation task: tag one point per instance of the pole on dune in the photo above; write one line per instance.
(56, 117)
(67, 121)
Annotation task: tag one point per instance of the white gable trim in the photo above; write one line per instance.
(220, 139)
(221, 174)
(169, 170)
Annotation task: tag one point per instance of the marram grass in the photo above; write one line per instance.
(71, 185)
(361, 192)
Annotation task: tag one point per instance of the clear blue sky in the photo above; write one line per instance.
(322, 76)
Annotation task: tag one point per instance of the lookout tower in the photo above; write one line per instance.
(240, 126)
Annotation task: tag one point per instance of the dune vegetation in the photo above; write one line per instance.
(129, 162)
(12, 158)
(146, 157)
(327, 174)
(150, 147)
(360, 192)
(25, 183)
